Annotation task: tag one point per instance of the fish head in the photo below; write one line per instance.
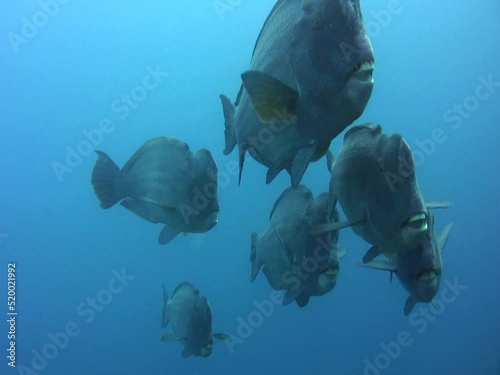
(321, 262)
(206, 350)
(201, 338)
(332, 57)
(205, 197)
(420, 269)
(327, 279)
(396, 209)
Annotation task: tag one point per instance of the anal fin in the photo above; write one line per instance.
(167, 234)
(300, 163)
(409, 305)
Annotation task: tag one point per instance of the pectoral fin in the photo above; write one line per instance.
(443, 237)
(221, 336)
(438, 204)
(172, 337)
(271, 98)
(382, 265)
(330, 160)
(331, 227)
(288, 253)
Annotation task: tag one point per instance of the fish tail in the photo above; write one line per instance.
(104, 180)
(229, 133)
(164, 317)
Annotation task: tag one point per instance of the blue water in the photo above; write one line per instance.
(65, 78)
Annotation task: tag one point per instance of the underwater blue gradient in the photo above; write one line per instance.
(62, 81)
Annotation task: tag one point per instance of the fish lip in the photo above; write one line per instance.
(364, 69)
(428, 275)
(331, 271)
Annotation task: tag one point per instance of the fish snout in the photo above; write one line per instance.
(428, 284)
(206, 350)
(328, 277)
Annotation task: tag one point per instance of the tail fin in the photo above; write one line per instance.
(229, 133)
(104, 180)
(256, 265)
(164, 317)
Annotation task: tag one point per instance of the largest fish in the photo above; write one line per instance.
(310, 77)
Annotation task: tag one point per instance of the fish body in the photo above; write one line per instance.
(163, 182)
(310, 77)
(374, 181)
(290, 257)
(190, 315)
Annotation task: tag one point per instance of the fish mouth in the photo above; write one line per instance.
(214, 216)
(418, 221)
(331, 271)
(364, 70)
(428, 275)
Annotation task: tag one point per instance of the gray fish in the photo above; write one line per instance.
(310, 77)
(291, 258)
(191, 318)
(163, 182)
(418, 270)
(375, 183)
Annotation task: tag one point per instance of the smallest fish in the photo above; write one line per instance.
(191, 318)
